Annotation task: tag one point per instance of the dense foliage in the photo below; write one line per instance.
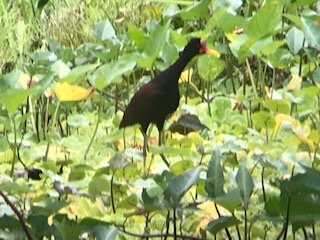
(246, 167)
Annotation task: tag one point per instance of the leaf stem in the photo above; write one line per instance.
(50, 130)
(95, 129)
(251, 77)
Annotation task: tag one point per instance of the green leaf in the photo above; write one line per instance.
(231, 200)
(157, 40)
(68, 229)
(181, 166)
(104, 31)
(224, 20)
(245, 184)
(215, 180)
(295, 39)
(220, 108)
(137, 36)
(261, 24)
(179, 185)
(14, 98)
(312, 32)
(280, 106)
(209, 67)
(200, 9)
(111, 72)
(77, 73)
(263, 120)
(221, 223)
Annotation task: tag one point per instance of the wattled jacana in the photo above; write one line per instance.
(155, 100)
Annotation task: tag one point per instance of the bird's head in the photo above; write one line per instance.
(199, 46)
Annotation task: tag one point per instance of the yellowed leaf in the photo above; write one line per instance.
(209, 209)
(231, 36)
(186, 75)
(67, 92)
(294, 83)
(282, 119)
(25, 80)
(272, 94)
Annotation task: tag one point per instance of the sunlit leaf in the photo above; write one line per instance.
(67, 92)
(261, 24)
(186, 75)
(77, 73)
(196, 11)
(14, 98)
(112, 72)
(209, 67)
(280, 106)
(137, 36)
(263, 120)
(294, 83)
(157, 40)
(104, 31)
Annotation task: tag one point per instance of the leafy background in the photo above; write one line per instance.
(246, 167)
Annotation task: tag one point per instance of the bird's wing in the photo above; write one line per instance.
(143, 105)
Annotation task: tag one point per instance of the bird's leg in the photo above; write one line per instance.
(145, 144)
(161, 138)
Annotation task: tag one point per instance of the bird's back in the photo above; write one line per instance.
(152, 102)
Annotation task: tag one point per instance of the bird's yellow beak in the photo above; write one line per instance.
(212, 52)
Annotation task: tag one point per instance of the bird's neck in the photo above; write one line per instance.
(180, 64)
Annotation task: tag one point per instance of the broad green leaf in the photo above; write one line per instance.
(152, 202)
(281, 58)
(98, 185)
(263, 119)
(14, 98)
(157, 40)
(221, 223)
(230, 5)
(231, 200)
(77, 73)
(209, 67)
(100, 229)
(245, 184)
(312, 32)
(215, 180)
(220, 108)
(181, 166)
(137, 36)
(198, 10)
(68, 229)
(43, 57)
(280, 106)
(60, 68)
(316, 76)
(104, 232)
(262, 24)
(224, 20)
(179, 185)
(104, 31)
(295, 19)
(303, 192)
(111, 72)
(295, 39)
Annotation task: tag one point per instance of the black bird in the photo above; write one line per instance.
(155, 100)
